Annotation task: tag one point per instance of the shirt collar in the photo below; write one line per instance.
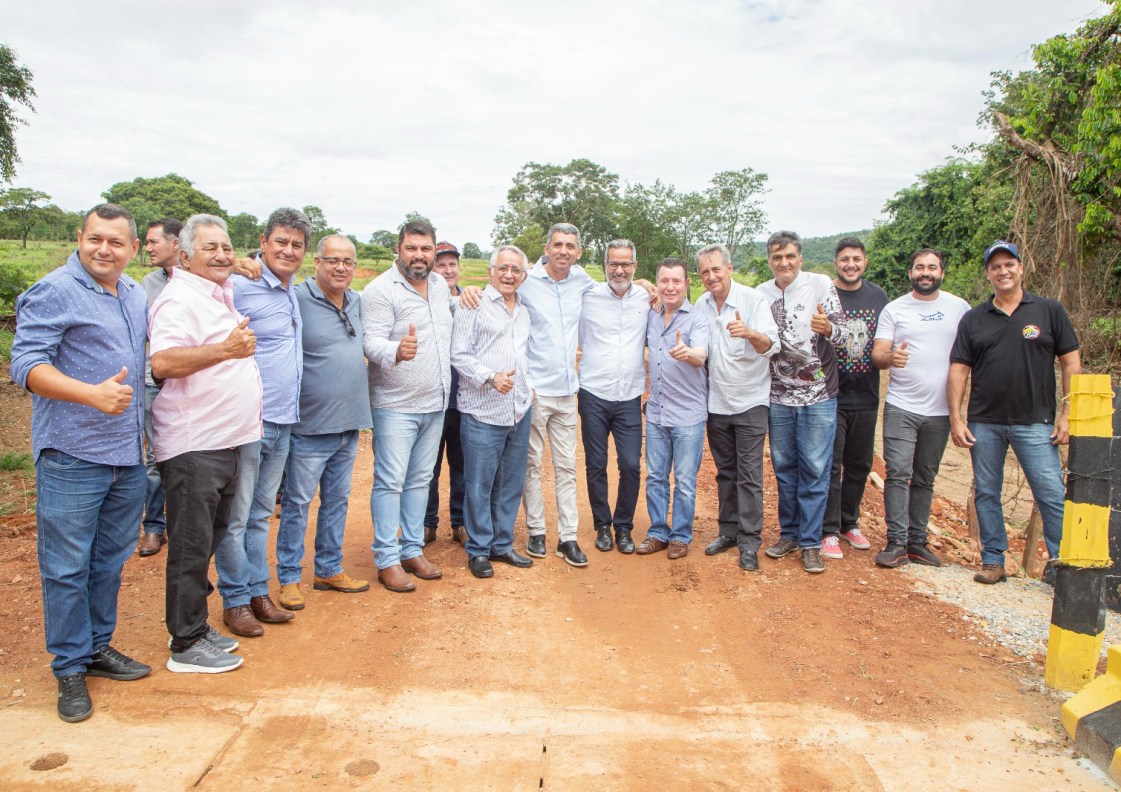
(80, 274)
(207, 287)
(990, 304)
(317, 293)
(267, 275)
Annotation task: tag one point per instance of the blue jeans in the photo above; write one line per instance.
(242, 559)
(801, 456)
(154, 520)
(1040, 463)
(405, 446)
(86, 515)
(494, 482)
(325, 461)
(679, 447)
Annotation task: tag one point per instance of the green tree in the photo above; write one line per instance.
(581, 193)
(472, 251)
(412, 217)
(643, 218)
(386, 239)
(735, 207)
(245, 230)
(15, 88)
(163, 196)
(21, 208)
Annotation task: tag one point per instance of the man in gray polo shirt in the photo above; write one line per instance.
(334, 407)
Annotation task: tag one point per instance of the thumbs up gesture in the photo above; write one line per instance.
(241, 342)
(503, 381)
(406, 350)
(899, 355)
(820, 323)
(736, 327)
(679, 351)
(111, 396)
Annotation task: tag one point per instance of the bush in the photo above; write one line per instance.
(13, 282)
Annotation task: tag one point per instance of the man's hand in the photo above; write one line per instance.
(679, 351)
(110, 396)
(820, 323)
(250, 268)
(1061, 433)
(503, 381)
(900, 355)
(406, 350)
(241, 342)
(470, 296)
(959, 432)
(736, 328)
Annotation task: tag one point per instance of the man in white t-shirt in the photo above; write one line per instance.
(913, 339)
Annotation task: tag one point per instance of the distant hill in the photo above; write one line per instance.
(816, 251)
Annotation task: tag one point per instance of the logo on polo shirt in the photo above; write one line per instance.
(1031, 332)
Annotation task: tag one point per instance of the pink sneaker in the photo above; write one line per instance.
(831, 547)
(856, 539)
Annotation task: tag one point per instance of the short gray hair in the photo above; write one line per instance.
(514, 248)
(708, 250)
(781, 239)
(562, 228)
(287, 217)
(323, 243)
(190, 230)
(620, 243)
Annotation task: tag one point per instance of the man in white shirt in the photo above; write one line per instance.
(742, 337)
(612, 379)
(913, 339)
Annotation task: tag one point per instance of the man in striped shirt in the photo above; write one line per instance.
(495, 394)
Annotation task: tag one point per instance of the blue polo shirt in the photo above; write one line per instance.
(334, 396)
(69, 321)
(274, 317)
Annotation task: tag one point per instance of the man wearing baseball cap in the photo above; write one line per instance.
(1007, 347)
(447, 265)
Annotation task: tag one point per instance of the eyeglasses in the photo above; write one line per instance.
(503, 269)
(334, 261)
(620, 264)
(346, 322)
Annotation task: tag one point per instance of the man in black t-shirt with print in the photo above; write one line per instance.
(858, 400)
(1008, 346)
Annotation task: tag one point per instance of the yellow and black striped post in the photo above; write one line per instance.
(1078, 612)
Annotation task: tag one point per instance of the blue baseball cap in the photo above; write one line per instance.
(1007, 247)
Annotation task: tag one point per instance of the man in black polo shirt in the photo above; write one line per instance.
(1008, 346)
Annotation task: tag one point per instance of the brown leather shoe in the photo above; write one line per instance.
(151, 544)
(422, 568)
(240, 621)
(677, 550)
(395, 579)
(650, 545)
(264, 609)
(341, 582)
(990, 573)
(290, 597)
(430, 534)
(459, 534)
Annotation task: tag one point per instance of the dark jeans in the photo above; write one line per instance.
(450, 441)
(200, 487)
(913, 447)
(598, 419)
(736, 444)
(853, 449)
(154, 520)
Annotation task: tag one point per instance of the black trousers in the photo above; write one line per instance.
(598, 419)
(200, 487)
(736, 445)
(853, 449)
(450, 441)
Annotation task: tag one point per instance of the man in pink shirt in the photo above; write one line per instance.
(206, 424)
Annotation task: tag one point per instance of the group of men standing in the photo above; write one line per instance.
(250, 377)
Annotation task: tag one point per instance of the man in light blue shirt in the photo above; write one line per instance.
(274, 316)
(79, 349)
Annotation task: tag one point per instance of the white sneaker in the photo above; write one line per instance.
(831, 547)
(203, 657)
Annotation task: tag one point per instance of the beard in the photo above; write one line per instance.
(925, 288)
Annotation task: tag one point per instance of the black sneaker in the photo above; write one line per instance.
(811, 560)
(603, 539)
(108, 662)
(571, 552)
(921, 554)
(623, 540)
(73, 699)
(749, 561)
(893, 555)
(536, 546)
(782, 547)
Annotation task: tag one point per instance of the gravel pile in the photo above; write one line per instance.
(1016, 613)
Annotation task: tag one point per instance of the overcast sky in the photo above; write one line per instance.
(372, 110)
